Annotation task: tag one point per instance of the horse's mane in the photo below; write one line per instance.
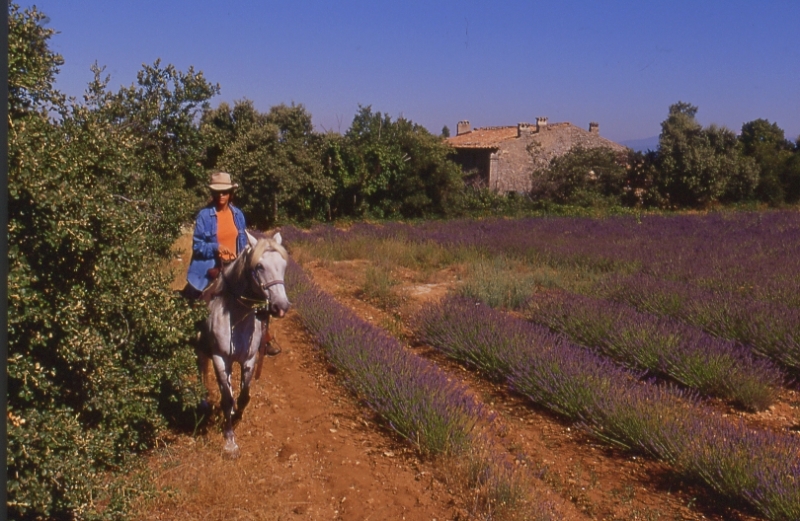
(247, 260)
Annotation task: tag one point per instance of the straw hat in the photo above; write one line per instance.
(221, 181)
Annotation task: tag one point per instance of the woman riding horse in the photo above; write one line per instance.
(219, 237)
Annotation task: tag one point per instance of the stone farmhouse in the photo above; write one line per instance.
(504, 158)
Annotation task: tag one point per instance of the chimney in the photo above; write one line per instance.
(541, 124)
(594, 127)
(524, 129)
(463, 127)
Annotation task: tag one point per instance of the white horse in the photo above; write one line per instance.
(242, 298)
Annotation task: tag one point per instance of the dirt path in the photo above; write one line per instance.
(308, 452)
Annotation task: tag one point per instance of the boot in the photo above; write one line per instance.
(267, 347)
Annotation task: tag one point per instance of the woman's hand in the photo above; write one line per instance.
(225, 254)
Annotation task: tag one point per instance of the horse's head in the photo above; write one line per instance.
(267, 266)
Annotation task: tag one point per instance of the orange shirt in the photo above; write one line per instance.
(226, 232)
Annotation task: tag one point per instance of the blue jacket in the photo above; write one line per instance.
(205, 244)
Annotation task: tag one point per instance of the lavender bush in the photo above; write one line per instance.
(756, 467)
(756, 255)
(417, 400)
(769, 328)
(712, 366)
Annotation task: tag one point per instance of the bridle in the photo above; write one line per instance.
(264, 285)
(250, 302)
(254, 305)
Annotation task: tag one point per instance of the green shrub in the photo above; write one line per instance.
(98, 343)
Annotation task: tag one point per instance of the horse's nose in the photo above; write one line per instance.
(279, 310)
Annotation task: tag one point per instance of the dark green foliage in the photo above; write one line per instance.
(582, 176)
(693, 167)
(791, 177)
(276, 157)
(697, 166)
(32, 66)
(386, 168)
(162, 109)
(98, 344)
(779, 175)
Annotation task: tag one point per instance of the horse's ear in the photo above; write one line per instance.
(277, 237)
(252, 240)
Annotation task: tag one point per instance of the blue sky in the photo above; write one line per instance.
(620, 63)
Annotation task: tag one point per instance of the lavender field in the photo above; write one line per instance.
(641, 331)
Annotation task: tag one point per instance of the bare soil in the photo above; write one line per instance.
(310, 451)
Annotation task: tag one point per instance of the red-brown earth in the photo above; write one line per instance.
(309, 450)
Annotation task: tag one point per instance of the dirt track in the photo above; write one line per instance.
(308, 452)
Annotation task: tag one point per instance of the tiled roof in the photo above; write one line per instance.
(554, 138)
(488, 137)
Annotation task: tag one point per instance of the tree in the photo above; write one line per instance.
(163, 108)
(445, 132)
(790, 177)
(32, 66)
(98, 344)
(393, 168)
(276, 156)
(697, 166)
(765, 143)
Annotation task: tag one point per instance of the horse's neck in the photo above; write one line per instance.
(240, 285)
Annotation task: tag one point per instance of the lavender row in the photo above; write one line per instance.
(757, 467)
(415, 398)
(769, 328)
(663, 346)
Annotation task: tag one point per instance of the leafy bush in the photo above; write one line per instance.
(98, 344)
(582, 176)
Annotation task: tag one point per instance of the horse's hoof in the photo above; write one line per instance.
(230, 450)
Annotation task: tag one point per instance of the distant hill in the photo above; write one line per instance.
(641, 145)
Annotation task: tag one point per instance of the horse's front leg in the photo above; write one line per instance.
(249, 367)
(223, 369)
(203, 364)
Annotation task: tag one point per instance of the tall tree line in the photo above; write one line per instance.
(692, 167)
(379, 168)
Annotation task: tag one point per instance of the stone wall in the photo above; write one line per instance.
(518, 158)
